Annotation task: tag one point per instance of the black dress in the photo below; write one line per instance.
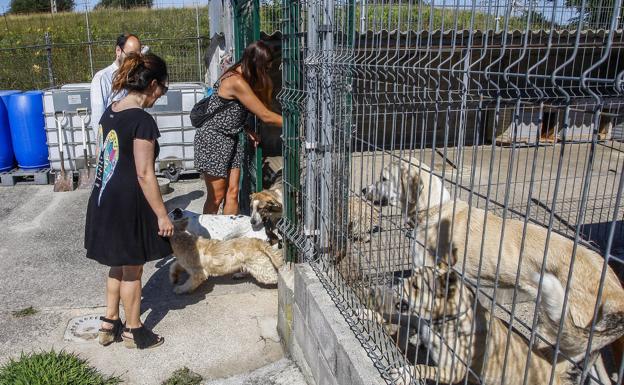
(121, 228)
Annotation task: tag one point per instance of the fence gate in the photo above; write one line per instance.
(454, 174)
(247, 30)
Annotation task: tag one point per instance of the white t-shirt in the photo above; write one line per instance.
(101, 93)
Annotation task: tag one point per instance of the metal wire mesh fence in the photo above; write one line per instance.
(39, 51)
(454, 174)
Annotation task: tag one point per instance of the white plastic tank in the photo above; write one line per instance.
(171, 113)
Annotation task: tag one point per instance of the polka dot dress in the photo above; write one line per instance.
(217, 145)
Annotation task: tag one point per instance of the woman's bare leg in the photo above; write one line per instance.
(215, 192)
(113, 284)
(131, 294)
(231, 198)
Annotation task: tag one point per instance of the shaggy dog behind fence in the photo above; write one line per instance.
(463, 339)
(202, 258)
(508, 253)
(363, 219)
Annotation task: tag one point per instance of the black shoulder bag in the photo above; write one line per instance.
(206, 109)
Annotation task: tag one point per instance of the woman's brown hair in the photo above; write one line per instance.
(255, 64)
(137, 72)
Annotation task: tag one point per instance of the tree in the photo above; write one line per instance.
(34, 6)
(125, 4)
(597, 13)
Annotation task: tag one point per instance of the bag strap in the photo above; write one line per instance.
(199, 121)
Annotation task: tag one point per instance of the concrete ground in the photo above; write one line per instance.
(226, 328)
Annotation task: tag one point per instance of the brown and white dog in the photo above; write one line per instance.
(202, 258)
(450, 230)
(266, 210)
(456, 331)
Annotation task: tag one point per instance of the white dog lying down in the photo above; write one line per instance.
(219, 226)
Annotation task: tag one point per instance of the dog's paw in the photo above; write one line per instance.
(240, 275)
(402, 376)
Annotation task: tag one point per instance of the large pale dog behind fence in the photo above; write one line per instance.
(451, 230)
(464, 340)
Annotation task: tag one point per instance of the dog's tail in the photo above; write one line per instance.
(276, 255)
(574, 338)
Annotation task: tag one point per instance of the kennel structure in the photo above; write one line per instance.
(515, 106)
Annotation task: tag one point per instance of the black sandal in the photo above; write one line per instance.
(108, 336)
(142, 338)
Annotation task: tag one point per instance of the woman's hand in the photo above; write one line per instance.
(165, 227)
(254, 137)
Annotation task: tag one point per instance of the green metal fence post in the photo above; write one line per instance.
(247, 30)
(255, 31)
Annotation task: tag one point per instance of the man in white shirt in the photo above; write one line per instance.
(101, 94)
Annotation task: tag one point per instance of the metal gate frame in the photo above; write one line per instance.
(247, 30)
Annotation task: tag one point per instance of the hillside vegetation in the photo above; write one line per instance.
(173, 34)
(170, 33)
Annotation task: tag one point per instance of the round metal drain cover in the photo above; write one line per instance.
(84, 328)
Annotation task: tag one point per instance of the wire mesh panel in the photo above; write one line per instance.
(455, 177)
(270, 15)
(45, 50)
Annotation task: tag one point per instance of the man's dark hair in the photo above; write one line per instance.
(123, 38)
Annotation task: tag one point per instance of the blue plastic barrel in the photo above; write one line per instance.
(7, 158)
(28, 129)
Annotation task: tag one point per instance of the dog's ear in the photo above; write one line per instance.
(442, 268)
(176, 214)
(181, 224)
(410, 186)
(447, 279)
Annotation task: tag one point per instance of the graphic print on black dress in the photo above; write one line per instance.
(109, 155)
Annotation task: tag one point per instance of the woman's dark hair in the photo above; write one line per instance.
(255, 64)
(137, 72)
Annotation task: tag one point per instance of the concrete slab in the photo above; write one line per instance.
(227, 327)
(282, 372)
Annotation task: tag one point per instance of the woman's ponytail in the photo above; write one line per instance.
(137, 72)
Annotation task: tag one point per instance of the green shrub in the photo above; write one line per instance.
(25, 312)
(183, 376)
(52, 368)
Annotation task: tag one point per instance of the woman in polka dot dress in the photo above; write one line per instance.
(244, 88)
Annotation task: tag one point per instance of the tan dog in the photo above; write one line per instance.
(267, 209)
(442, 310)
(454, 231)
(202, 258)
(363, 219)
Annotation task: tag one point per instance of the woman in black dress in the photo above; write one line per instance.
(244, 88)
(127, 223)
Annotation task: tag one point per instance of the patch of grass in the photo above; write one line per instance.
(170, 32)
(25, 312)
(52, 368)
(184, 376)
